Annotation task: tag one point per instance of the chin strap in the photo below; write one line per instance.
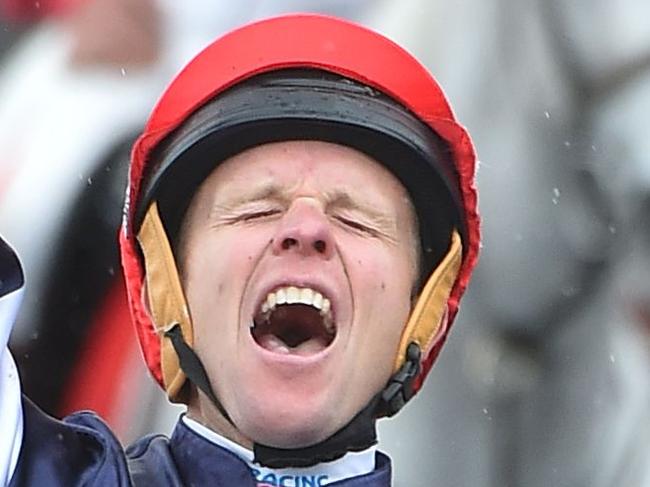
(360, 433)
(400, 386)
(191, 364)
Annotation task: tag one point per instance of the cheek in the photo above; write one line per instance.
(381, 279)
(219, 255)
(215, 275)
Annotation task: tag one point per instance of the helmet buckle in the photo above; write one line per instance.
(400, 387)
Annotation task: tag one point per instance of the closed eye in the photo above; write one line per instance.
(355, 225)
(258, 215)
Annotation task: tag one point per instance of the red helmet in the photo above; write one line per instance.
(387, 99)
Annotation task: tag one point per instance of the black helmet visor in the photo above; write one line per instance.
(309, 105)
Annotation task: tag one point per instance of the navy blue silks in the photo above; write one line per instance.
(81, 450)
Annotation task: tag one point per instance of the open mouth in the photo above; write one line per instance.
(294, 320)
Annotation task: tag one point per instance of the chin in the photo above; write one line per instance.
(286, 421)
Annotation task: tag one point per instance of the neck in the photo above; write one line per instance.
(350, 465)
(201, 410)
(358, 435)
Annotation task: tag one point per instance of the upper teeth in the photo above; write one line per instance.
(297, 295)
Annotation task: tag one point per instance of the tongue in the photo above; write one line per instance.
(309, 347)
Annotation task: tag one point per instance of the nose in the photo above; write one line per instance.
(304, 229)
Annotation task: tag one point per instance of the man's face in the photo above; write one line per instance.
(317, 225)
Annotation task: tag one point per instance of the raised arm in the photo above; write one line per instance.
(11, 418)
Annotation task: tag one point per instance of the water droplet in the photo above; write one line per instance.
(485, 411)
(89, 181)
(567, 143)
(593, 148)
(556, 196)
(59, 436)
(570, 291)
(123, 71)
(612, 229)
(37, 4)
(612, 359)
(547, 114)
(111, 271)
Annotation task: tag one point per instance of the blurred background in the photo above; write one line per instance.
(545, 380)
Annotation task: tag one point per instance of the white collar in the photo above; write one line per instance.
(352, 464)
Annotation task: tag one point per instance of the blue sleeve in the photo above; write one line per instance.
(80, 450)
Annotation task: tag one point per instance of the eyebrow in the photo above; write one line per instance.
(264, 191)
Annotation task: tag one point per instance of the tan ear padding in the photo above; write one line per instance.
(167, 303)
(426, 318)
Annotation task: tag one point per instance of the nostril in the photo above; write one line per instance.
(289, 242)
(320, 246)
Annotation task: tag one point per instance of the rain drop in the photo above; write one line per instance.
(547, 114)
(570, 291)
(612, 359)
(89, 181)
(567, 143)
(556, 195)
(123, 71)
(612, 229)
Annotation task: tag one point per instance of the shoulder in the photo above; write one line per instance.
(81, 449)
(150, 460)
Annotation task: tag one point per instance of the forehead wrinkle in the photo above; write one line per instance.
(266, 190)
